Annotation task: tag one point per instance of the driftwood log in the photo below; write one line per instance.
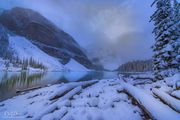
(28, 89)
(174, 106)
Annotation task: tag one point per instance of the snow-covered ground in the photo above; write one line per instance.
(97, 100)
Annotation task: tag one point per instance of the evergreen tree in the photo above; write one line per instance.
(7, 64)
(176, 32)
(165, 32)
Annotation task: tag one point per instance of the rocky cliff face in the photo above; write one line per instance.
(5, 52)
(3, 41)
(44, 34)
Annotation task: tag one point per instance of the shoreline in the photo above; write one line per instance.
(92, 98)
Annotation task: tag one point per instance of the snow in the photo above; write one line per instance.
(57, 104)
(93, 100)
(55, 115)
(3, 66)
(176, 94)
(157, 109)
(68, 87)
(168, 99)
(174, 80)
(24, 49)
(75, 66)
(98, 101)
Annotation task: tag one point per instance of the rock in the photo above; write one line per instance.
(44, 34)
(4, 44)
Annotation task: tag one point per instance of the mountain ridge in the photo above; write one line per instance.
(44, 34)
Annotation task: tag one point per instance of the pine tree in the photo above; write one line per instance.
(165, 32)
(176, 37)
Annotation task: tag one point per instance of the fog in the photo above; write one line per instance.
(114, 31)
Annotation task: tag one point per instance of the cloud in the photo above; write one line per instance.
(115, 31)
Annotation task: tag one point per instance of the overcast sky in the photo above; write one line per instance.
(116, 31)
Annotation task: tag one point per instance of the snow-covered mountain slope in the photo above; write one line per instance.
(24, 49)
(44, 34)
(75, 66)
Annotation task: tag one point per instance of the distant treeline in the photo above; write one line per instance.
(137, 66)
(24, 64)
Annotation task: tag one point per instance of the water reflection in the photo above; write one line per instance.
(10, 82)
(23, 79)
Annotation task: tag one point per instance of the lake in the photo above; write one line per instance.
(11, 82)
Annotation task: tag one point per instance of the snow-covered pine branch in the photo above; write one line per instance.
(167, 33)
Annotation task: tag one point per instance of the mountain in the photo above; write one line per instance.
(18, 53)
(16, 50)
(32, 27)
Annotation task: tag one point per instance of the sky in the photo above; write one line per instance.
(114, 31)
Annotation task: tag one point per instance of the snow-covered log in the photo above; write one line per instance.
(66, 88)
(28, 89)
(58, 103)
(176, 94)
(170, 101)
(155, 108)
(57, 115)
